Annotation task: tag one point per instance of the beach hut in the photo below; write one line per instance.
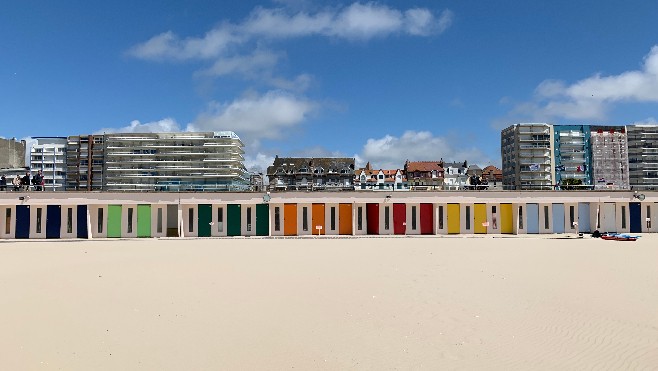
(558, 218)
(399, 218)
(635, 210)
(649, 211)
(53, 221)
(262, 220)
(22, 221)
(82, 222)
(372, 218)
(570, 217)
(305, 219)
(532, 218)
(623, 217)
(467, 218)
(318, 218)
(204, 220)
(158, 219)
(360, 219)
(453, 218)
(426, 218)
(584, 218)
(386, 219)
(233, 219)
(480, 223)
(114, 221)
(345, 219)
(506, 219)
(331, 218)
(276, 219)
(290, 219)
(441, 216)
(607, 217)
(248, 220)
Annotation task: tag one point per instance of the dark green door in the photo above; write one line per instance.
(143, 220)
(234, 220)
(262, 220)
(114, 221)
(205, 218)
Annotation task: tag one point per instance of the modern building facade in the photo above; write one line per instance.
(309, 174)
(12, 153)
(573, 162)
(643, 156)
(528, 158)
(85, 157)
(425, 174)
(49, 156)
(186, 161)
(609, 151)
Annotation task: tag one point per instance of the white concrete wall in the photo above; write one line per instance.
(355, 221)
(568, 226)
(440, 221)
(520, 224)
(124, 221)
(327, 219)
(154, 220)
(300, 219)
(409, 227)
(33, 221)
(248, 229)
(273, 207)
(3, 221)
(494, 223)
(186, 219)
(623, 215)
(545, 219)
(64, 230)
(93, 213)
(218, 229)
(462, 215)
(382, 226)
(653, 217)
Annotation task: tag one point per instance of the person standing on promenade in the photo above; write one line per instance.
(3, 183)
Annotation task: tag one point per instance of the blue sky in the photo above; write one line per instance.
(382, 81)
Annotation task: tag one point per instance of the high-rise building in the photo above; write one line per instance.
(186, 161)
(609, 151)
(527, 156)
(573, 162)
(643, 156)
(49, 156)
(12, 153)
(85, 156)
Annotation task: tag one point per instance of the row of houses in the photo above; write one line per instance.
(167, 214)
(546, 156)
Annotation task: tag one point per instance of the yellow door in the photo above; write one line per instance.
(453, 219)
(506, 219)
(480, 218)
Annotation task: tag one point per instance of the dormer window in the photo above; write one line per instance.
(318, 170)
(303, 170)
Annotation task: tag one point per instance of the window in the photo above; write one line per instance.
(130, 220)
(494, 217)
(220, 219)
(440, 217)
(69, 220)
(8, 221)
(648, 217)
(623, 217)
(190, 220)
(99, 227)
(277, 218)
(413, 217)
(386, 217)
(305, 218)
(333, 218)
(159, 222)
(546, 221)
(39, 212)
(359, 218)
(520, 217)
(572, 216)
(468, 217)
(249, 219)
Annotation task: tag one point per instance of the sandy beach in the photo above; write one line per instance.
(494, 303)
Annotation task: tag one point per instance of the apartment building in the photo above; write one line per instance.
(186, 161)
(643, 156)
(573, 160)
(527, 156)
(311, 173)
(85, 157)
(609, 151)
(12, 153)
(48, 154)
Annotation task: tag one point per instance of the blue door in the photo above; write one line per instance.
(558, 218)
(53, 221)
(532, 218)
(22, 221)
(636, 217)
(583, 218)
(82, 221)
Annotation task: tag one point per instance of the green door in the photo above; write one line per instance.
(114, 221)
(143, 220)
(234, 220)
(205, 218)
(262, 219)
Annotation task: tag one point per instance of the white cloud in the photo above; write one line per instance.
(258, 162)
(593, 97)
(647, 121)
(391, 152)
(233, 47)
(256, 117)
(166, 125)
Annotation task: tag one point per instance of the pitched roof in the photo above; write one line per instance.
(423, 166)
(294, 164)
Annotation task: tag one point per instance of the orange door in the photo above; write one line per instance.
(290, 219)
(317, 218)
(345, 219)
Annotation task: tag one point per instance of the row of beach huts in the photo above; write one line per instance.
(37, 215)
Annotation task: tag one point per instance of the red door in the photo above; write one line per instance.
(372, 216)
(399, 218)
(426, 219)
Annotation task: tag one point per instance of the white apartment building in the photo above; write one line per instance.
(527, 155)
(186, 161)
(49, 156)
